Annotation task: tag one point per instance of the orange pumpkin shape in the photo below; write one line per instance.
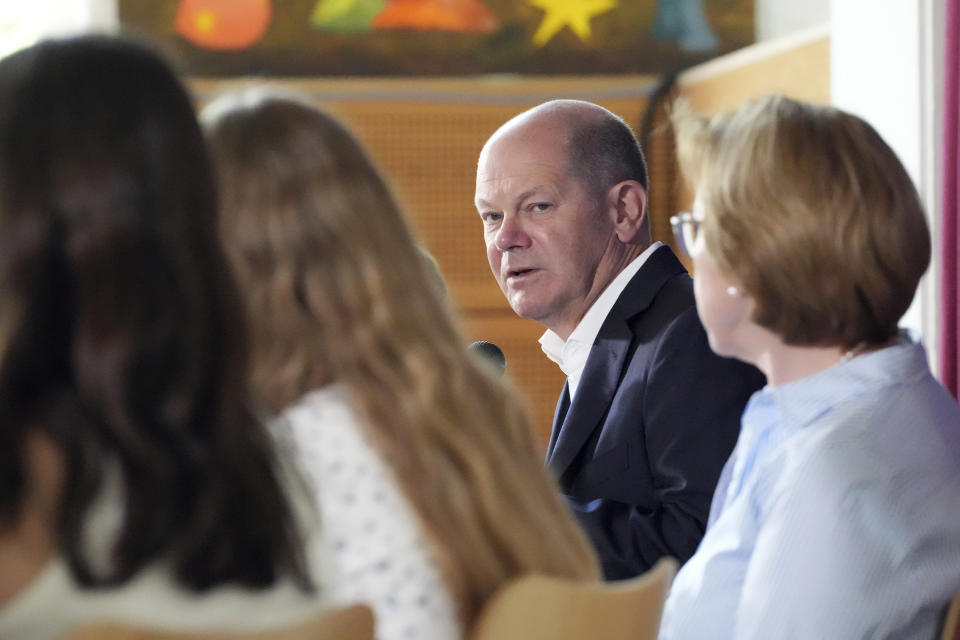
(461, 16)
(223, 24)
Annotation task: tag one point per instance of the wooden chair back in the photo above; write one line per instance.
(538, 607)
(353, 622)
(951, 624)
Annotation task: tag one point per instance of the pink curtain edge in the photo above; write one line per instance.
(950, 328)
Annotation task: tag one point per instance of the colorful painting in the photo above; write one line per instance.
(440, 37)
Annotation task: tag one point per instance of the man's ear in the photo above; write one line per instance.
(627, 204)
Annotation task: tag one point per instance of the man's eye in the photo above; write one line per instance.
(540, 206)
(491, 216)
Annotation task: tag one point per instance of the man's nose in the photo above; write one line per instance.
(511, 234)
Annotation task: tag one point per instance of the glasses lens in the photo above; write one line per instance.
(685, 228)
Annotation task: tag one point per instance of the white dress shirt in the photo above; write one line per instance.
(571, 356)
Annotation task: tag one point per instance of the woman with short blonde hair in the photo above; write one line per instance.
(346, 317)
(803, 195)
(835, 516)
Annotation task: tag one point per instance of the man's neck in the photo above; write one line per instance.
(608, 274)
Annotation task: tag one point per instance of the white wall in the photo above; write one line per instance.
(22, 23)
(775, 18)
(69, 16)
(886, 65)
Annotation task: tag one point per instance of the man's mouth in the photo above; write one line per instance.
(519, 273)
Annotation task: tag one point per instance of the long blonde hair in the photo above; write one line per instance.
(338, 292)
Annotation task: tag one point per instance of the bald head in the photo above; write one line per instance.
(598, 147)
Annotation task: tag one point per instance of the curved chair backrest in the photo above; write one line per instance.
(354, 622)
(951, 624)
(539, 607)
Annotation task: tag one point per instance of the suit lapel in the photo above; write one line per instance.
(602, 373)
(597, 388)
(563, 405)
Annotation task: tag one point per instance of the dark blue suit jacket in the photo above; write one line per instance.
(639, 451)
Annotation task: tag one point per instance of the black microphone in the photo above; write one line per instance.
(489, 353)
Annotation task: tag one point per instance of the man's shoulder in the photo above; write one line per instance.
(660, 271)
(665, 290)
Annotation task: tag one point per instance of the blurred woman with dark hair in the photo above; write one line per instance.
(836, 515)
(424, 463)
(137, 484)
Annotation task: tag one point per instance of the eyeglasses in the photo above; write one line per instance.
(686, 226)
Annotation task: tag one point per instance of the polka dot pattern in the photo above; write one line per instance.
(377, 546)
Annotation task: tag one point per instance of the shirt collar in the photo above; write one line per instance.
(800, 402)
(571, 355)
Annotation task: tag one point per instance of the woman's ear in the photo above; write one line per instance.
(627, 203)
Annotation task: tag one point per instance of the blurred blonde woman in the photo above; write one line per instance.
(425, 466)
(836, 515)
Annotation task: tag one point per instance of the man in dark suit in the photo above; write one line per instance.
(649, 414)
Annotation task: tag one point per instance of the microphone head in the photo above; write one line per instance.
(489, 353)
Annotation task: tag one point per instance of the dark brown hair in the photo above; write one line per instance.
(603, 150)
(121, 338)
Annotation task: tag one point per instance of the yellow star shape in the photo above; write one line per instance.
(575, 14)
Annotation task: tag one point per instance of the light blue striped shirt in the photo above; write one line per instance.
(838, 513)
